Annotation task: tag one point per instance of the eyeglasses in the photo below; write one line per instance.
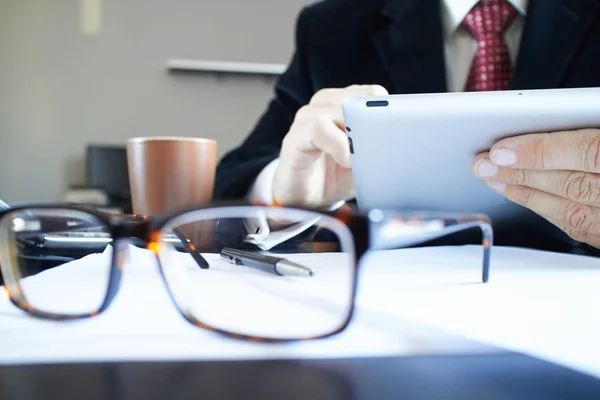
(271, 274)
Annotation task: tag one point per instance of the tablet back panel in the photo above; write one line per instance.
(414, 152)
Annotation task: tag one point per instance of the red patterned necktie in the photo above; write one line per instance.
(487, 22)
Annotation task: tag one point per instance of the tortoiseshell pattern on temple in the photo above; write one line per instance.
(368, 231)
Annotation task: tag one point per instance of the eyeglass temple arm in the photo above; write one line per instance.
(185, 241)
(393, 232)
(190, 248)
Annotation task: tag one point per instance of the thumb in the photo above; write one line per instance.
(330, 139)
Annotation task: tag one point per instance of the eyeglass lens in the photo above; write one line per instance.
(46, 258)
(273, 272)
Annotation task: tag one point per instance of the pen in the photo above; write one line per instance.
(278, 265)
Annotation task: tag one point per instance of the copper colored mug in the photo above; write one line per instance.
(167, 174)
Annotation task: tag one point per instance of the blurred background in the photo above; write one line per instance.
(80, 77)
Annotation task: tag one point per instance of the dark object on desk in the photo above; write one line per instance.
(506, 376)
(106, 168)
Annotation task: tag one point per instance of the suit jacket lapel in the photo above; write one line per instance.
(412, 46)
(552, 35)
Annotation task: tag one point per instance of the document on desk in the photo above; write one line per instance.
(410, 302)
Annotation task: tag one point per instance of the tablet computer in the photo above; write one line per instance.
(414, 152)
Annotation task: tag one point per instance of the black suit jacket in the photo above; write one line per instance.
(399, 44)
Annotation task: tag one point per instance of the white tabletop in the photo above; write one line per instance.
(415, 301)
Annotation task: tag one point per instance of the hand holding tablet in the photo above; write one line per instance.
(426, 152)
(314, 162)
(557, 175)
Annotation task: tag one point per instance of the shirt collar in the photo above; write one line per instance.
(454, 11)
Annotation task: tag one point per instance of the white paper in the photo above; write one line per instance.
(538, 303)
(413, 301)
(143, 324)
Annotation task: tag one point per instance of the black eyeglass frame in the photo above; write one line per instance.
(148, 230)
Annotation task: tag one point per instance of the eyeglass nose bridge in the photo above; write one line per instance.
(138, 230)
(123, 232)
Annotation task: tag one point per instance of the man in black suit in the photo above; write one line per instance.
(297, 153)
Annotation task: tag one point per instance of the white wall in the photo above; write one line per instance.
(60, 89)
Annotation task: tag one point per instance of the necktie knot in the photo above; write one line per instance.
(489, 18)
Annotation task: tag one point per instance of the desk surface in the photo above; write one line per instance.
(441, 337)
(500, 376)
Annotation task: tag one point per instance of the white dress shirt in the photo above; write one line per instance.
(459, 50)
